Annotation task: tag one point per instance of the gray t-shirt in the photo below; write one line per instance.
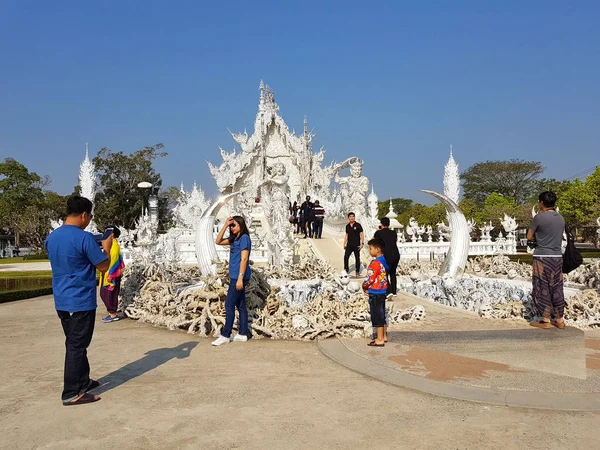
(548, 227)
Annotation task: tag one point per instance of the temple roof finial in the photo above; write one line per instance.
(86, 151)
(450, 149)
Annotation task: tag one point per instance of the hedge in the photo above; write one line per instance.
(35, 257)
(20, 283)
(22, 294)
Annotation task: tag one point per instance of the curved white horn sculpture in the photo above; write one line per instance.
(456, 260)
(206, 249)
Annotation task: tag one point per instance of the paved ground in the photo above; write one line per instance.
(25, 266)
(169, 390)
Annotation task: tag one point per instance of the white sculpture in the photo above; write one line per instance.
(485, 231)
(444, 231)
(598, 230)
(271, 142)
(190, 207)
(280, 236)
(451, 179)
(87, 184)
(456, 260)
(373, 204)
(354, 188)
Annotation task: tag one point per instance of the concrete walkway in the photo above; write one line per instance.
(460, 355)
(169, 390)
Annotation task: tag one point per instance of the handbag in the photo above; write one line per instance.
(572, 258)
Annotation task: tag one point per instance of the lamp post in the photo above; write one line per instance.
(144, 185)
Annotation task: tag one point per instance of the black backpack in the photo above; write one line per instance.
(572, 259)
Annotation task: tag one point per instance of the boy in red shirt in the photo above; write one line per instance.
(376, 286)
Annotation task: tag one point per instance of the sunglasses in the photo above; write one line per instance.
(232, 225)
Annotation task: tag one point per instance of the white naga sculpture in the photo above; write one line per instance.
(354, 188)
(456, 259)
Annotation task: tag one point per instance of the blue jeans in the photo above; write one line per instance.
(235, 299)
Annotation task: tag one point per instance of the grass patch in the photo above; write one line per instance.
(25, 274)
(22, 260)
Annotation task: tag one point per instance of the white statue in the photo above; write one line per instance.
(451, 179)
(598, 230)
(509, 224)
(280, 237)
(444, 231)
(429, 231)
(276, 199)
(354, 188)
(373, 204)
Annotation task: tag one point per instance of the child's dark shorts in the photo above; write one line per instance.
(377, 307)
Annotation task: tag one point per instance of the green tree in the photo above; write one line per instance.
(400, 205)
(578, 204)
(19, 189)
(495, 206)
(516, 179)
(119, 201)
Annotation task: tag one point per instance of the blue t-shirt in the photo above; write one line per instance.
(73, 255)
(235, 256)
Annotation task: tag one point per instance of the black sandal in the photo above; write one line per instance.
(83, 400)
(373, 344)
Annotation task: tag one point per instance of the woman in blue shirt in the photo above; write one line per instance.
(239, 275)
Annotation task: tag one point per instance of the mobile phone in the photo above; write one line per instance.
(102, 237)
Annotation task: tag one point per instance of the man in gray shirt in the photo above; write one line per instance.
(546, 231)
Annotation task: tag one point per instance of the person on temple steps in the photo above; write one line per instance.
(390, 253)
(354, 240)
(318, 223)
(240, 247)
(307, 212)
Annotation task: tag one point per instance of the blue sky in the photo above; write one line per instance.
(394, 83)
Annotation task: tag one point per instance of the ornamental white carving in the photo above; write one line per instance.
(190, 207)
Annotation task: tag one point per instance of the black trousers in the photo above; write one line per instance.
(392, 278)
(347, 253)
(78, 328)
(309, 228)
(318, 228)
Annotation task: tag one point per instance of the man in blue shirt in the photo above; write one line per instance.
(74, 256)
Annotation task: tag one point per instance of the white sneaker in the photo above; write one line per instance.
(240, 338)
(221, 340)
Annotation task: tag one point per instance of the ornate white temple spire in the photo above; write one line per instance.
(391, 213)
(87, 182)
(261, 87)
(451, 179)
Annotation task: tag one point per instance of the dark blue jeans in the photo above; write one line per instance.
(78, 328)
(235, 299)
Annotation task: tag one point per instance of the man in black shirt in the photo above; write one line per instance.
(307, 212)
(390, 253)
(353, 242)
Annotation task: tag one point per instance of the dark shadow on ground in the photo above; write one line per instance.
(150, 361)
